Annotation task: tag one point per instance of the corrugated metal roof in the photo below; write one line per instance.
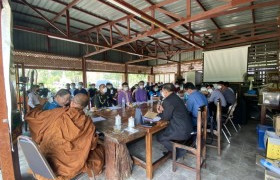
(178, 7)
(106, 12)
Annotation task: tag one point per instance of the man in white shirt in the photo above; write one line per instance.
(33, 97)
(214, 95)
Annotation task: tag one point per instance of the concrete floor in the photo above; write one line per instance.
(236, 162)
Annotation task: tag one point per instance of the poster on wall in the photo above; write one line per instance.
(9, 70)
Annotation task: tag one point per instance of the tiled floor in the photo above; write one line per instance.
(236, 162)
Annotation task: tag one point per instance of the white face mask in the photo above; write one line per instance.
(176, 85)
(156, 89)
(162, 95)
(104, 90)
(219, 87)
(210, 90)
(72, 87)
(125, 88)
(80, 86)
(141, 86)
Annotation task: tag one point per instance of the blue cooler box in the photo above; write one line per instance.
(261, 132)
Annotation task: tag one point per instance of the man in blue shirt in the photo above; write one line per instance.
(80, 89)
(61, 99)
(154, 91)
(195, 100)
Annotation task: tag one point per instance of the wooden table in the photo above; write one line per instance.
(263, 111)
(118, 160)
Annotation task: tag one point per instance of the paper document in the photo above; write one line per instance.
(150, 115)
(114, 108)
(97, 119)
(155, 119)
(131, 130)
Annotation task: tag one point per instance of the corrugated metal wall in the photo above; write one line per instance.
(38, 43)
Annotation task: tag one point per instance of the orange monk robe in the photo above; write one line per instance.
(67, 139)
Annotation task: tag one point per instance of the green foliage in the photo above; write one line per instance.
(135, 78)
(56, 79)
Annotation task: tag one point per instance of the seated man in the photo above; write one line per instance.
(80, 89)
(174, 110)
(154, 92)
(67, 138)
(101, 99)
(228, 94)
(124, 94)
(61, 99)
(72, 89)
(112, 93)
(195, 100)
(141, 93)
(33, 97)
(43, 92)
(92, 92)
(214, 95)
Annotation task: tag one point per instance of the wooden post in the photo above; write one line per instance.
(126, 73)
(84, 68)
(179, 67)
(149, 158)
(9, 169)
(117, 160)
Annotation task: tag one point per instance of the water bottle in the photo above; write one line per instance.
(151, 100)
(123, 103)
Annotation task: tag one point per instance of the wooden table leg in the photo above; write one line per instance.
(118, 161)
(149, 152)
(263, 114)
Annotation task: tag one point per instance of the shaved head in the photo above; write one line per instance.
(80, 101)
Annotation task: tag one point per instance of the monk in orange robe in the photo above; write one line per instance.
(67, 138)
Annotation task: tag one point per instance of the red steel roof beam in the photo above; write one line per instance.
(43, 17)
(65, 9)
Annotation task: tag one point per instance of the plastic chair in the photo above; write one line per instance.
(37, 162)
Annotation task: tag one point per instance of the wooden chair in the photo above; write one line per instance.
(217, 131)
(199, 150)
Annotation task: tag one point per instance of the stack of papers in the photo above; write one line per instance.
(97, 119)
(155, 119)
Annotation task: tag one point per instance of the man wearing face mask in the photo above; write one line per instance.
(180, 123)
(101, 99)
(80, 89)
(72, 89)
(112, 93)
(33, 97)
(195, 100)
(214, 96)
(125, 94)
(92, 92)
(228, 94)
(141, 93)
(133, 89)
(43, 92)
(61, 99)
(155, 91)
(67, 86)
(177, 87)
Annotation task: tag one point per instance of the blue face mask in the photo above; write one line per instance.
(186, 96)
